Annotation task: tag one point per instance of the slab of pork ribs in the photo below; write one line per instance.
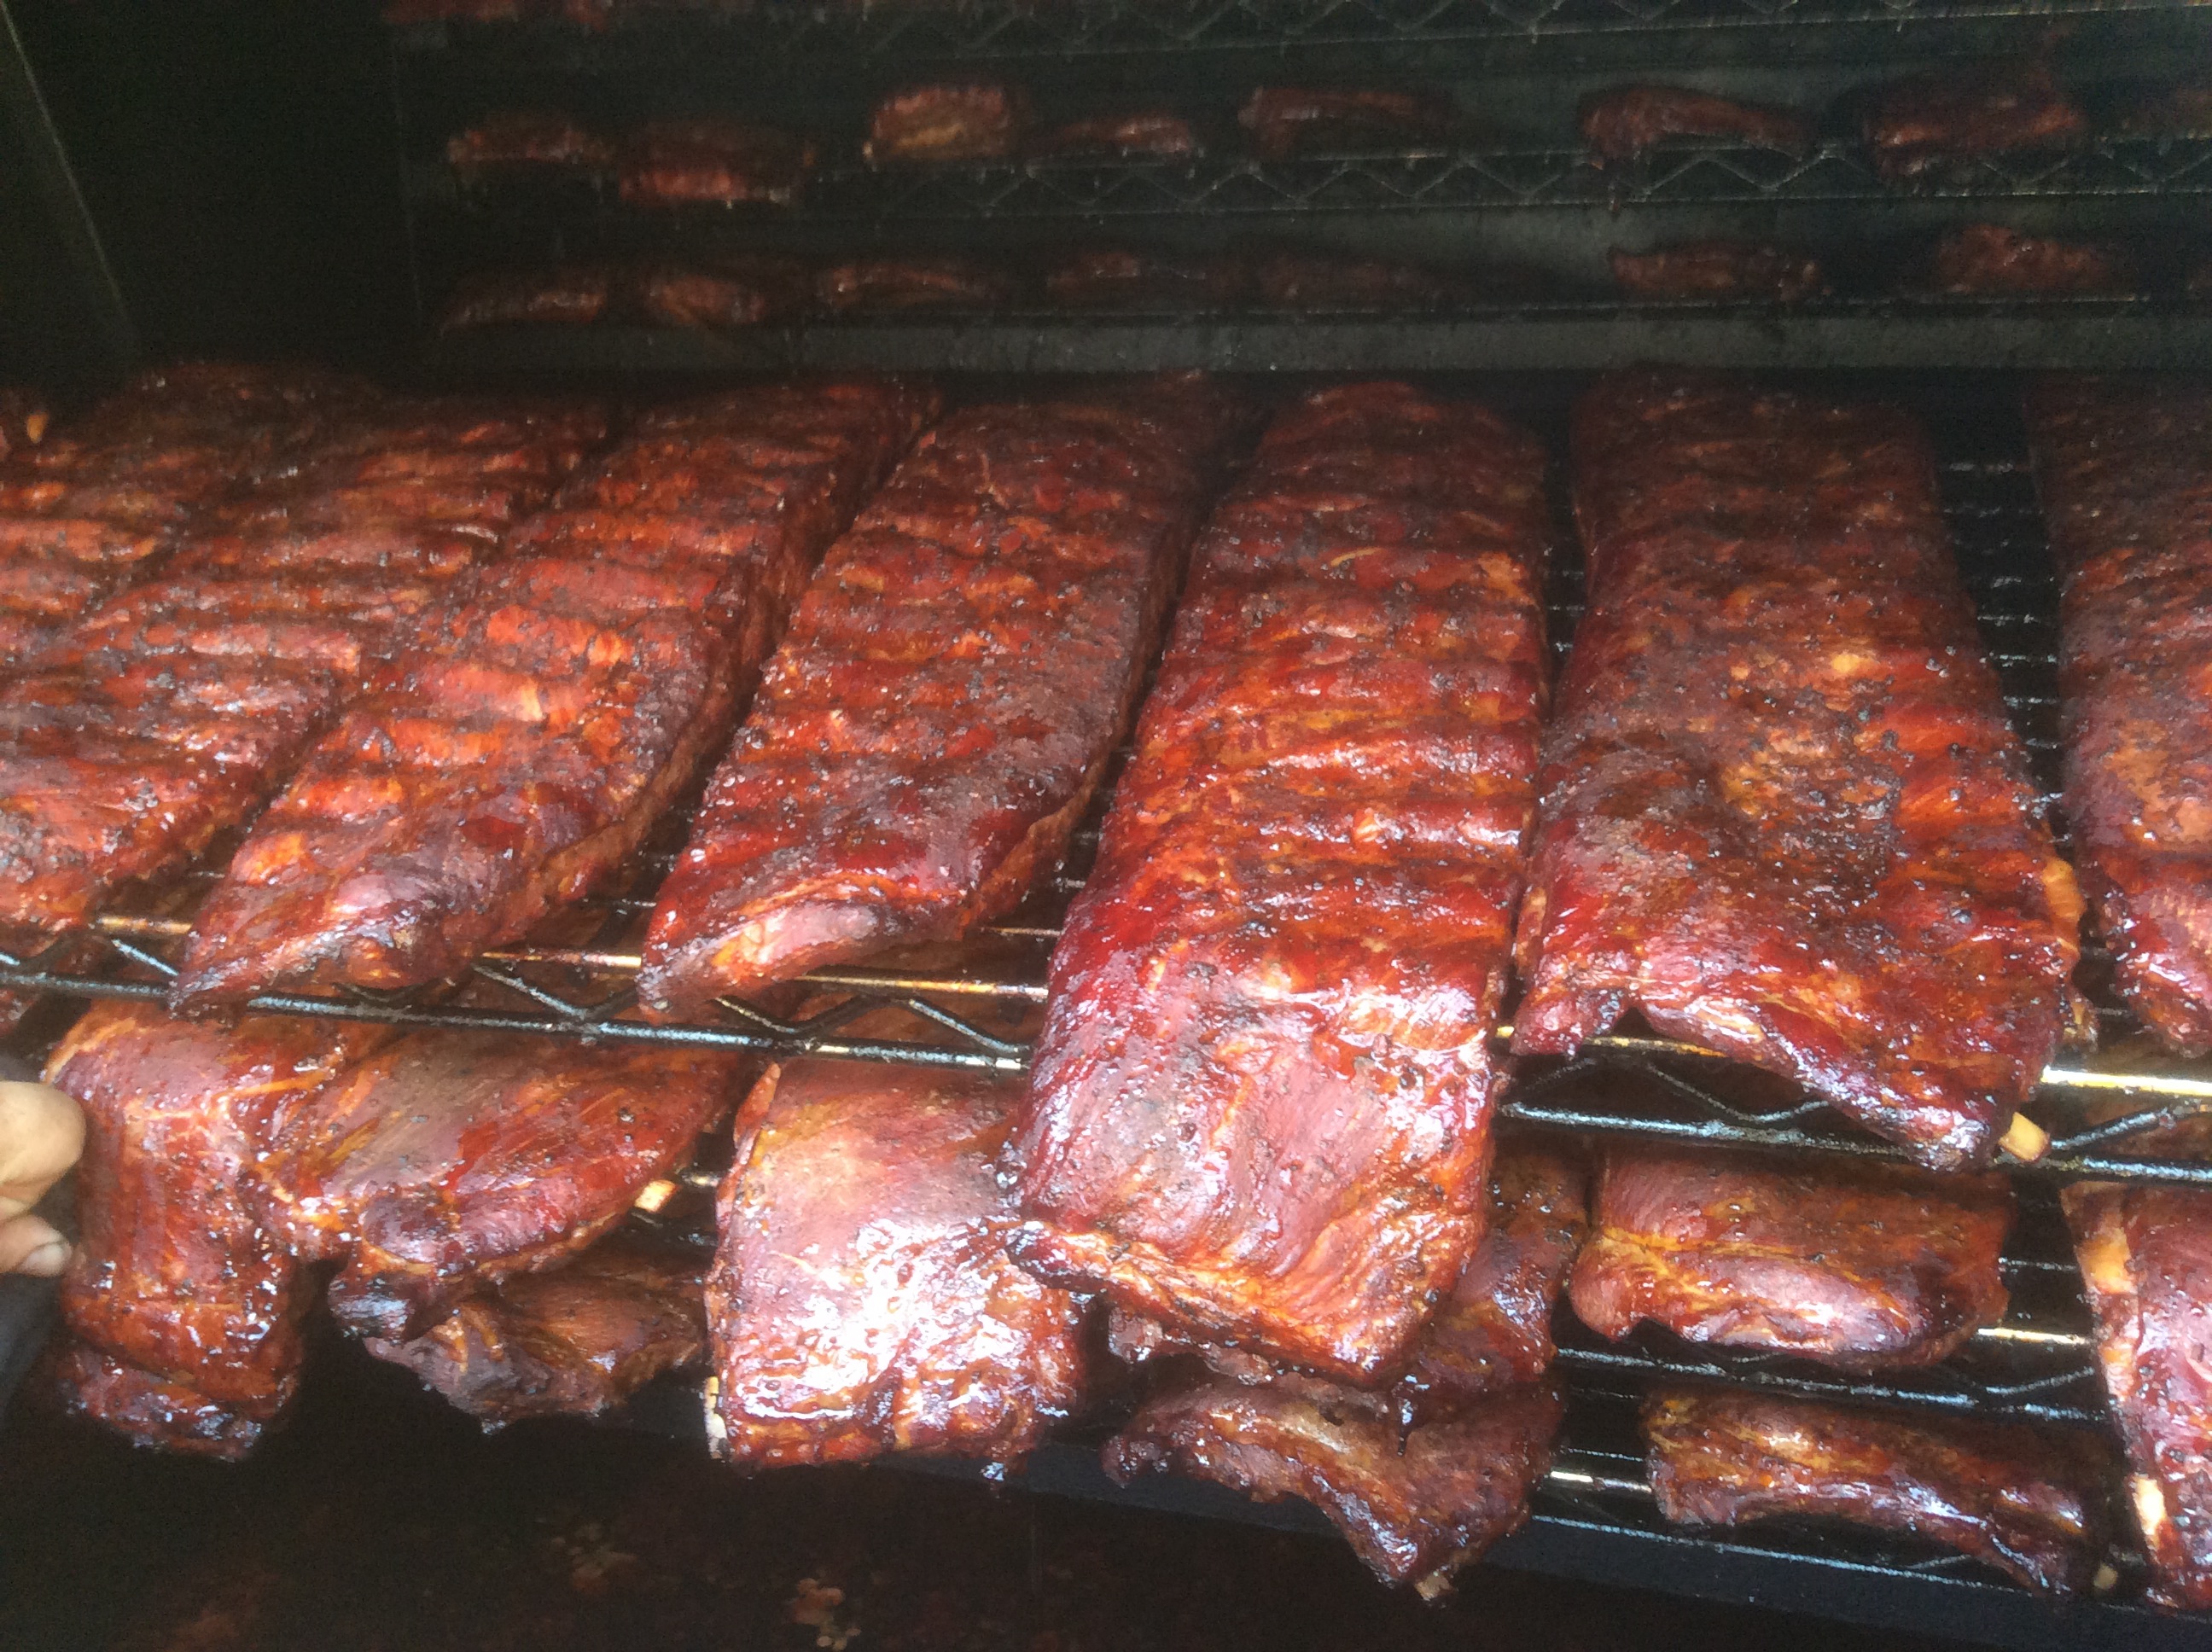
(1783, 814)
(1415, 1504)
(183, 1309)
(2028, 1500)
(954, 681)
(1262, 1100)
(1632, 120)
(714, 162)
(575, 1340)
(446, 1161)
(861, 1301)
(860, 286)
(519, 750)
(2124, 471)
(1936, 122)
(1716, 269)
(978, 120)
(1861, 1265)
(2146, 1256)
(101, 501)
(567, 296)
(166, 714)
(1284, 121)
(1991, 260)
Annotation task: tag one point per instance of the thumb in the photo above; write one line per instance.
(41, 1134)
(28, 1244)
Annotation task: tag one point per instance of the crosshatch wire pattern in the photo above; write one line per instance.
(1011, 28)
(1421, 178)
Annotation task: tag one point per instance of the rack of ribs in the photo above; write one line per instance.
(1717, 269)
(518, 752)
(1631, 121)
(858, 286)
(526, 140)
(449, 1161)
(953, 683)
(576, 1341)
(1936, 122)
(1415, 1504)
(1861, 1265)
(743, 289)
(1294, 281)
(1784, 815)
(1147, 134)
(2027, 1500)
(2146, 1253)
(183, 1310)
(1261, 1106)
(976, 120)
(102, 500)
(1284, 121)
(1494, 1330)
(714, 162)
(861, 1301)
(1989, 260)
(165, 716)
(568, 294)
(1121, 278)
(2124, 470)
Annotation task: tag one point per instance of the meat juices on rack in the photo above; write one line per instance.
(520, 751)
(954, 681)
(1861, 1266)
(1261, 1106)
(2124, 469)
(575, 1341)
(1415, 1504)
(183, 1310)
(861, 1301)
(2028, 1500)
(449, 1161)
(1783, 814)
(2146, 1256)
(168, 713)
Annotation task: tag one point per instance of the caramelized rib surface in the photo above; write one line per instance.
(575, 1341)
(1784, 815)
(976, 120)
(167, 714)
(1284, 121)
(449, 1161)
(861, 1301)
(953, 683)
(2124, 469)
(1415, 1506)
(2146, 1256)
(1939, 122)
(521, 750)
(99, 503)
(1259, 1110)
(188, 1309)
(1861, 1266)
(2029, 1501)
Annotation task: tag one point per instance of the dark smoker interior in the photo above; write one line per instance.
(519, 303)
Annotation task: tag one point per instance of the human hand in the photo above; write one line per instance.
(41, 1134)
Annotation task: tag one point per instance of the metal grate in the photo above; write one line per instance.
(1460, 177)
(999, 29)
(974, 1013)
